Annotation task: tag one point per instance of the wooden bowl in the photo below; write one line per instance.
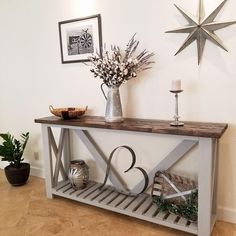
(69, 112)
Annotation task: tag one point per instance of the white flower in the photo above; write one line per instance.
(115, 67)
(130, 60)
(126, 71)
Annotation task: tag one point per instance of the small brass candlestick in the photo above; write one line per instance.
(176, 122)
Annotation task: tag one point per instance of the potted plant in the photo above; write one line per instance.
(11, 150)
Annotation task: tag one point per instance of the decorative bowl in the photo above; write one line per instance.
(69, 112)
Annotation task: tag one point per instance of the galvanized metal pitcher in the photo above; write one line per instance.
(113, 107)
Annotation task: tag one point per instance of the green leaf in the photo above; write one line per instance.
(12, 149)
(188, 209)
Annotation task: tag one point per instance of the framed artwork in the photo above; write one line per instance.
(80, 38)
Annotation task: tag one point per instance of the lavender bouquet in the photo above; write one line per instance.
(117, 67)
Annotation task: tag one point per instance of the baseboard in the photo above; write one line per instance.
(3, 164)
(226, 214)
(34, 171)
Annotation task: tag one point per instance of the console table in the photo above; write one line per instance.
(204, 136)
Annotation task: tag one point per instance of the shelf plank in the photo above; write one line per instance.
(110, 198)
(79, 191)
(136, 203)
(182, 222)
(103, 195)
(62, 184)
(197, 129)
(95, 194)
(162, 215)
(151, 211)
(118, 200)
(89, 191)
(172, 218)
(140, 206)
(193, 226)
(145, 206)
(126, 202)
(65, 188)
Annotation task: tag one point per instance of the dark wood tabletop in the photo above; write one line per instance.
(197, 129)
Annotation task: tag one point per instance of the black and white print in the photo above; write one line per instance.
(80, 38)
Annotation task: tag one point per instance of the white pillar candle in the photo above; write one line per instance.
(176, 85)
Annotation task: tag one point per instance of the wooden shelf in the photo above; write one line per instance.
(140, 206)
(196, 129)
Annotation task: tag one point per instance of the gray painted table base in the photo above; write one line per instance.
(140, 206)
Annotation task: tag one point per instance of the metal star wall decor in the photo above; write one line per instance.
(201, 28)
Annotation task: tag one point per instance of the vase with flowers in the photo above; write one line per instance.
(116, 67)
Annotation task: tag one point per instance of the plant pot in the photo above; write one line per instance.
(17, 176)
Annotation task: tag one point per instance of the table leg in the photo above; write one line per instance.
(67, 151)
(47, 160)
(205, 186)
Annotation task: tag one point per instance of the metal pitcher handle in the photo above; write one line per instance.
(103, 91)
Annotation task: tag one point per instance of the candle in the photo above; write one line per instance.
(176, 85)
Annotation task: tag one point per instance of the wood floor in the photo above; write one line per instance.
(25, 211)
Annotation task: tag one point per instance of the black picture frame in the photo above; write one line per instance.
(80, 38)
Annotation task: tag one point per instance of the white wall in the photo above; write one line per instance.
(32, 77)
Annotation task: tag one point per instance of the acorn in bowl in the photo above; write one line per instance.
(69, 112)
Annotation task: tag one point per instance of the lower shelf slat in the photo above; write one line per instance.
(110, 198)
(118, 200)
(162, 215)
(140, 207)
(127, 201)
(86, 193)
(172, 218)
(145, 206)
(151, 211)
(103, 195)
(136, 203)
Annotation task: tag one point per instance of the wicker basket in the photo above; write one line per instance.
(68, 113)
(172, 187)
